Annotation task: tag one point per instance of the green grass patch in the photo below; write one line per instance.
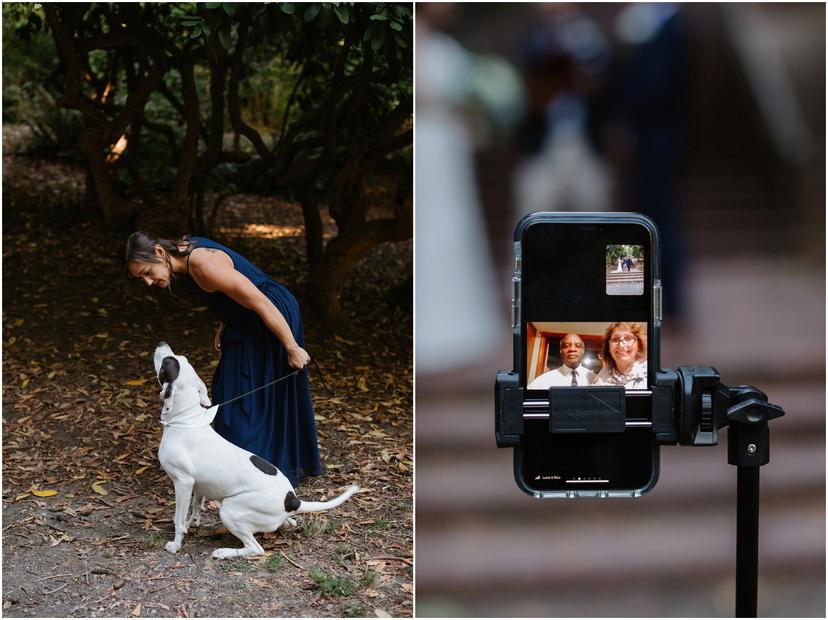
(380, 525)
(345, 552)
(240, 565)
(333, 585)
(314, 527)
(368, 579)
(274, 563)
(352, 609)
(156, 540)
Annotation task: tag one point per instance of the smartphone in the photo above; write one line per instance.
(587, 312)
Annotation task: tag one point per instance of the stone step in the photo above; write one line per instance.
(463, 480)
(625, 276)
(627, 544)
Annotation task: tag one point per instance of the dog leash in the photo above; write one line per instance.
(287, 376)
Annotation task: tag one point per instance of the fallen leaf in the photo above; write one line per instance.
(136, 612)
(96, 486)
(141, 470)
(381, 613)
(136, 382)
(44, 493)
(21, 496)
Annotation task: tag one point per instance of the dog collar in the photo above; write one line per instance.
(194, 418)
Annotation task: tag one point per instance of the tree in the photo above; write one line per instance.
(135, 71)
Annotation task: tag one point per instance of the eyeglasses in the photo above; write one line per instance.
(626, 340)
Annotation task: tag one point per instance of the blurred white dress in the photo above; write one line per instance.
(458, 319)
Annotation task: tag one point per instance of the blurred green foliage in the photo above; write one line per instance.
(614, 252)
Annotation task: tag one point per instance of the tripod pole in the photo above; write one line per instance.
(748, 447)
(747, 540)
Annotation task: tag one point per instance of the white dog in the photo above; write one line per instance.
(255, 496)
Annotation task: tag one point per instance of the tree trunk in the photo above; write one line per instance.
(314, 242)
(341, 255)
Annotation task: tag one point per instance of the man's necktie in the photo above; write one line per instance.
(575, 377)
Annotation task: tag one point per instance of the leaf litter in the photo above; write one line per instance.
(84, 496)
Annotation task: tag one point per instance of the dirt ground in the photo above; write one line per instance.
(86, 506)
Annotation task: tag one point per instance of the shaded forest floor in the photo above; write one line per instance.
(86, 506)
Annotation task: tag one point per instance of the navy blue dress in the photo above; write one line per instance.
(277, 422)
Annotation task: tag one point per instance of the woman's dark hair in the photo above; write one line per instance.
(141, 247)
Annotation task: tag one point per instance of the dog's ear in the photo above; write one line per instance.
(166, 397)
(161, 351)
(170, 369)
(203, 396)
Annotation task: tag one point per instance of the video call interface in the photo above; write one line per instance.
(600, 353)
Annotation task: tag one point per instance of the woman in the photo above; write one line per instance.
(624, 356)
(260, 338)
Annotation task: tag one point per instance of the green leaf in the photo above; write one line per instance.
(311, 12)
(396, 26)
(400, 41)
(379, 17)
(342, 13)
(229, 8)
(369, 33)
(287, 8)
(213, 5)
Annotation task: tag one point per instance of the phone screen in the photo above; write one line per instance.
(587, 318)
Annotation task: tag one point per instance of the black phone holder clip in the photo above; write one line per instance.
(689, 405)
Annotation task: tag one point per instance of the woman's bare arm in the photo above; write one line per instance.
(213, 271)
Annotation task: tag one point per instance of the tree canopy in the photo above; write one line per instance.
(183, 104)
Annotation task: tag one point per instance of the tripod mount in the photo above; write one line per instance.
(688, 407)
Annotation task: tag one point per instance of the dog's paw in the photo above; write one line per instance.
(290, 522)
(172, 546)
(221, 554)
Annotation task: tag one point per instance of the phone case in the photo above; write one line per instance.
(654, 336)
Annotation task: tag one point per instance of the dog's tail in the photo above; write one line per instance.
(294, 504)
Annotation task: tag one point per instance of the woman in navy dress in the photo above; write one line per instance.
(260, 339)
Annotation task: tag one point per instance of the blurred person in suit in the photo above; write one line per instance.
(564, 56)
(651, 84)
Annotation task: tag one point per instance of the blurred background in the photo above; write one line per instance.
(710, 119)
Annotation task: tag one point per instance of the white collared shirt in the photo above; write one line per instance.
(562, 377)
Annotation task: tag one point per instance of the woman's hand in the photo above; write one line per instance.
(298, 357)
(217, 340)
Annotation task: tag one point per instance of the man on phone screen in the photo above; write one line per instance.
(572, 373)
